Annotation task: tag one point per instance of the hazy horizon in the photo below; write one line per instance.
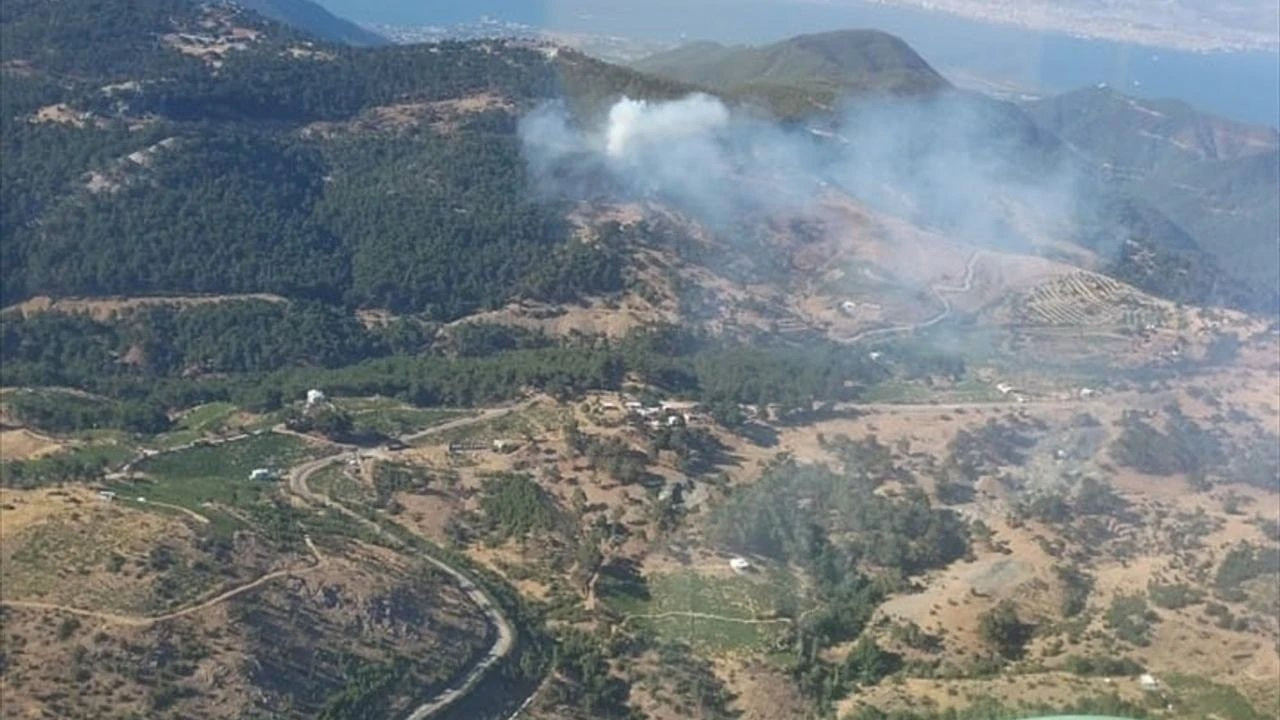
(1243, 86)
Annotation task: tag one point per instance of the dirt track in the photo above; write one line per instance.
(938, 292)
(706, 616)
(136, 621)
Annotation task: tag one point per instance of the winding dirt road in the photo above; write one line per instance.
(143, 621)
(939, 292)
(485, 414)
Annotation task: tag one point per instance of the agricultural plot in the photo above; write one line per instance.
(106, 454)
(53, 408)
(1090, 300)
(711, 613)
(906, 392)
(202, 477)
(81, 463)
(337, 482)
(393, 419)
(196, 423)
(267, 421)
(529, 422)
(209, 417)
(1198, 697)
(62, 412)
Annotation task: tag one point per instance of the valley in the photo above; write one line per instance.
(488, 380)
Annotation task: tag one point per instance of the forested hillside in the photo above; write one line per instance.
(160, 147)
(802, 74)
(1218, 180)
(312, 18)
(190, 149)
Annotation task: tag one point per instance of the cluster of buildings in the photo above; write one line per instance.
(667, 413)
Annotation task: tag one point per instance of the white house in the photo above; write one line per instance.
(314, 397)
(1147, 681)
(739, 564)
(106, 495)
(262, 474)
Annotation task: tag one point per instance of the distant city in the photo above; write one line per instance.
(1195, 25)
(607, 47)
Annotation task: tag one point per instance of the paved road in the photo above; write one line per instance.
(504, 633)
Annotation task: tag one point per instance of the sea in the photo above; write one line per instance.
(1240, 85)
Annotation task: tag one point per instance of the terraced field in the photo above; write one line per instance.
(1091, 300)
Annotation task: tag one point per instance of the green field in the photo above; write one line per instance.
(512, 426)
(337, 484)
(79, 463)
(393, 422)
(219, 474)
(391, 417)
(196, 423)
(1195, 696)
(209, 417)
(908, 392)
(110, 454)
(768, 595)
(898, 391)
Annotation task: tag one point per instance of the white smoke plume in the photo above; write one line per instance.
(949, 161)
(636, 126)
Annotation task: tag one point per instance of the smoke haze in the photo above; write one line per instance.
(952, 163)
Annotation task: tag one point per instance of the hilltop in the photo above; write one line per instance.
(803, 73)
(1197, 191)
(1143, 136)
(311, 18)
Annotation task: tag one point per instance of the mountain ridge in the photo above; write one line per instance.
(1216, 178)
(1163, 132)
(314, 19)
(820, 65)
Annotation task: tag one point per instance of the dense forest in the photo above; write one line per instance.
(169, 174)
(257, 353)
